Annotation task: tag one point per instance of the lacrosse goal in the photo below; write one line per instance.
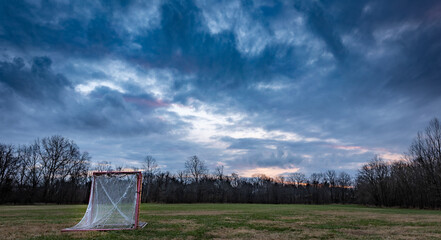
(113, 203)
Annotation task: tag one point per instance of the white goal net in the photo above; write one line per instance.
(113, 203)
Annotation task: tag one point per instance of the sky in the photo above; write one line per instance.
(270, 87)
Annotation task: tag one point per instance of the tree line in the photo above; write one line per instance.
(414, 181)
(54, 170)
(197, 184)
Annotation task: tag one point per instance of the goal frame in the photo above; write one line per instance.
(138, 201)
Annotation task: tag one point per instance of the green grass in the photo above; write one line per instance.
(231, 221)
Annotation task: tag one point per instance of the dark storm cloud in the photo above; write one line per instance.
(36, 94)
(181, 43)
(322, 25)
(353, 73)
(37, 82)
(421, 71)
(362, 95)
(88, 29)
(26, 25)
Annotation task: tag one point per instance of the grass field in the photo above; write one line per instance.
(231, 221)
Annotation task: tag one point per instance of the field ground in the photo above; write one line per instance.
(231, 221)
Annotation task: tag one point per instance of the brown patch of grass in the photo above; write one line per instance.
(18, 231)
(246, 233)
(190, 213)
(394, 232)
(291, 217)
(238, 233)
(399, 218)
(265, 222)
(299, 229)
(177, 221)
(187, 225)
(280, 224)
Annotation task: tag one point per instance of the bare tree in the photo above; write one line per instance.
(297, 178)
(23, 155)
(344, 184)
(8, 167)
(150, 165)
(316, 178)
(58, 156)
(331, 177)
(425, 154)
(196, 168)
(103, 166)
(150, 170)
(219, 172)
(79, 167)
(34, 166)
(182, 177)
(374, 177)
(344, 180)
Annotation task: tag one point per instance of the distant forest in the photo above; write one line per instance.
(54, 170)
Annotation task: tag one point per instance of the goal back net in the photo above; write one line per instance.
(113, 204)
